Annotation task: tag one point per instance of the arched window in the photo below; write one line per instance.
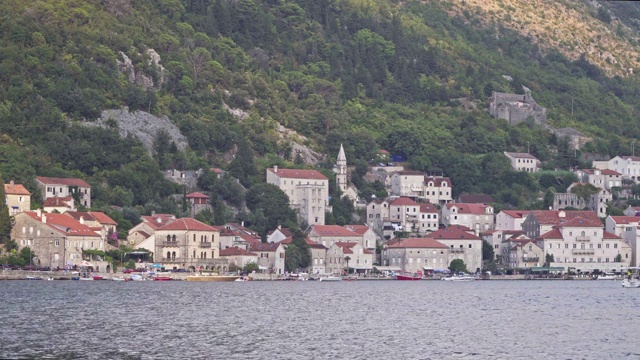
(168, 237)
(168, 254)
(173, 238)
(173, 255)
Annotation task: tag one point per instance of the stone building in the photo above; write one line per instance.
(18, 198)
(517, 108)
(308, 192)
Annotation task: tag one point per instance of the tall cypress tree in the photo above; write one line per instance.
(5, 219)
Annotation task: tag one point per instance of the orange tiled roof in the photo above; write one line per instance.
(332, 230)
(15, 189)
(418, 243)
(454, 232)
(299, 174)
(187, 224)
(236, 251)
(62, 181)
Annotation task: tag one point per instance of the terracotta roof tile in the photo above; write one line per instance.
(15, 189)
(299, 174)
(264, 247)
(553, 234)
(403, 201)
(198, 195)
(333, 230)
(57, 201)
(521, 155)
(358, 229)
(236, 251)
(625, 219)
(608, 235)
(468, 208)
(602, 171)
(187, 224)
(417, 243)
(454, 232)
(103, 218)
(517, 214)
(62, 181)
(437, 180)
(428, 209)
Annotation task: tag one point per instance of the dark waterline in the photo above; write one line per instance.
(319, 320)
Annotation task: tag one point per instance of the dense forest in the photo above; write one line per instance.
(370, 74)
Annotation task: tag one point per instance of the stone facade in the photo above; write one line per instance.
(516, 108)
(65, 187)
(18, 198)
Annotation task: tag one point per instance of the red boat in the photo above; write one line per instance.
(162, 278)
(409, 276)
(97, 277)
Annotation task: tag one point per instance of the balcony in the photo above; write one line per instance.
(205, 245)
(531, 259)
(170, 243)
(456, 250)
(583, 238)
(583, 251)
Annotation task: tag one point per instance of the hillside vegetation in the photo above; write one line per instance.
(369, 74)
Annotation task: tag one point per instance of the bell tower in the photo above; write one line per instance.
(341, 174)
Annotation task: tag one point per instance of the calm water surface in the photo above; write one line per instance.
(319, 320)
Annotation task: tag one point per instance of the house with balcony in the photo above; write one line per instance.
(479, 217)
(525, 254)
(271, 257)
(416, 254)
(627, 166)
(600, 178)
(595, 202)
(230, 237)
(628, 228)
(342, 256)
(438, 189)
(428, 219)
(327, 235)
(59, 204)
(462, 243)
(500, 242)
(308, 192)
(581, 244)
(408, 183)
(18, 198)
(198, 202)
(96, 221)
(187, 243)
(65, 187)
(369, 237)
(142, 235)
(404, 214)
(56, 240)
(377, 213)
(523, 161)
(542, 221)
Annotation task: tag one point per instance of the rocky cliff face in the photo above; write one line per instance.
(142, 125)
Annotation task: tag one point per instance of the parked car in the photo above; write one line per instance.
(128, 271)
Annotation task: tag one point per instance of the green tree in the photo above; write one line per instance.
(6, 221)
(251, 267)
(298, 253)
(548, 259)
(274, 204)
(457, 265)
(618, 258)
(487, 251)
(243, 166)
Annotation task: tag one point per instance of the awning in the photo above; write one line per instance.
(545, 269)
(427, 268)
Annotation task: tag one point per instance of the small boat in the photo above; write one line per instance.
(632, 280)
(75, 278)
(118, 279)
(330, 278)
(242, 278)
(50, 279)
(608, 276)
(86, 279)
(409, 276)
(162, 278)
(98, 277)
(136, 277)
(459, 278)
(33, 278)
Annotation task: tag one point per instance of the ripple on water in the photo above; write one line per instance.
(343, 320)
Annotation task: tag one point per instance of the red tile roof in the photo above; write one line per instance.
(552, 217)
(187, 224)
(299, 174)
(581, 222)
(625, 219)
(517, 214)
(286, 232)
(63, 223)
(608, 235)
(103, 218)
(358, 229)
(216, 170)
(332, 230)
(521, 155)
(62, 181)
(383, 151)
(437, 180)
(264, 247)
(77, 214)
(553, 234)
(475, 199)
(468, 208)
(157, 220)
(428, 208)
(236, 251)
(417, 243)
(198, 195)
(454, 232)
(15, 189)
(602, 171)
(403, 201)
(632, 158)
(57, 201)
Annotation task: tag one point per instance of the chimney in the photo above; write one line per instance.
(275, 168)
(39, 212)
(11, 183)
(44, 218)
(242, 223)
(153, 212)
(82, 220)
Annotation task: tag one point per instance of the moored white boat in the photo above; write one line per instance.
(459, 278)
(608, 276)
(632, 280)
(136, 277)
(118, 279)
(330, 278)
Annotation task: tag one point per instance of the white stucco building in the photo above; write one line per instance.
(523, 161)
(308, 192)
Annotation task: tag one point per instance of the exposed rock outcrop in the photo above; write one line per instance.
(142, 125)
(137, 76)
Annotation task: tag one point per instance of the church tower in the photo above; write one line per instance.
(341, 173)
